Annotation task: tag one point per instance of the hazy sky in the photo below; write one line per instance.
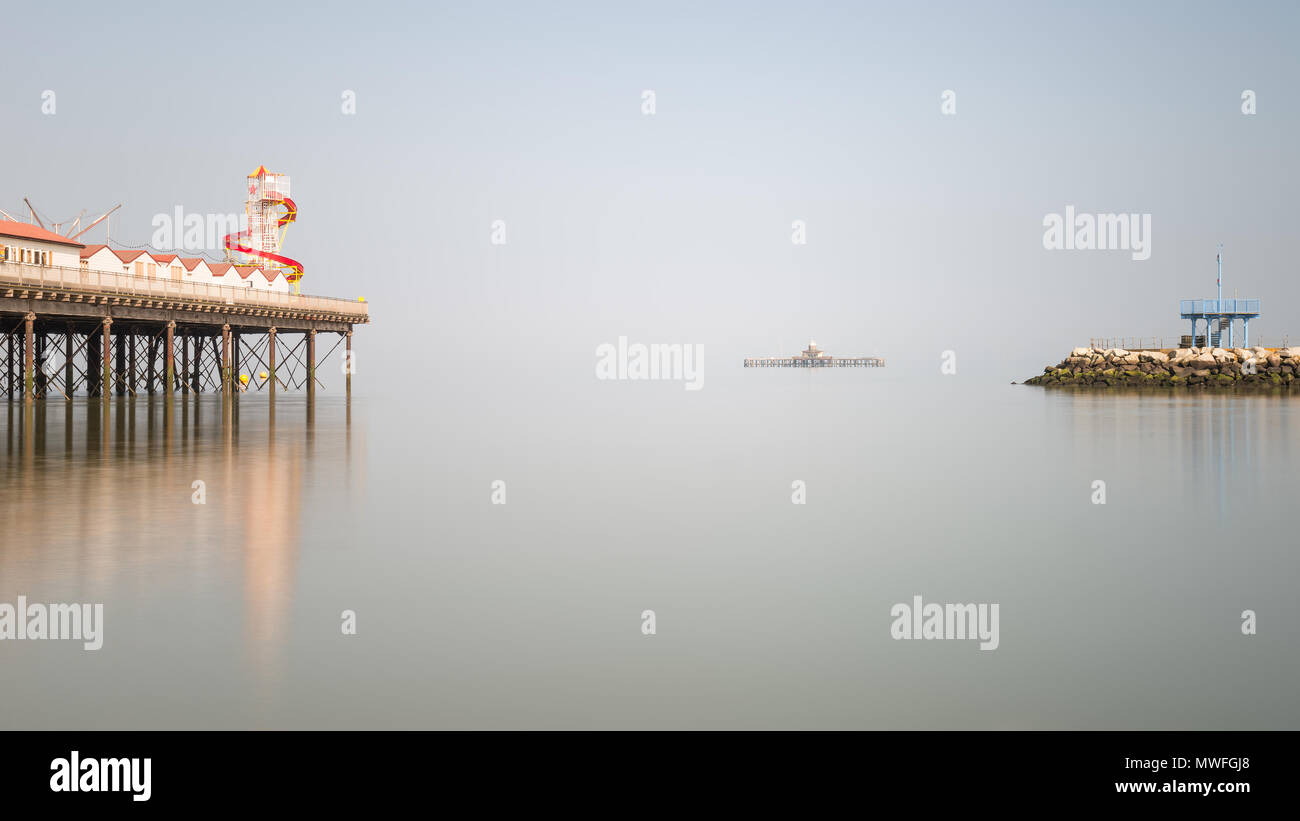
(924, 230)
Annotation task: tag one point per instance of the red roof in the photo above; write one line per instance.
(164, 258)
(127, 256)
(191, 263)
(219, 269)
(245, 271)
(22, 230)
(91, 250)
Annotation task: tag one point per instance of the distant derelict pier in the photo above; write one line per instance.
(813, 357)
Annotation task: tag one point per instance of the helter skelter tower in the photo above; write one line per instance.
(269, 211)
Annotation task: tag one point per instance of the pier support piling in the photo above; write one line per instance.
(105, 386)
(311, 365)
(227, 382)
(29, 356)
(170, 385)
(270, 358)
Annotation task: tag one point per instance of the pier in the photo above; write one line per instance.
(800, 362)
(814, 357)
(65, 331)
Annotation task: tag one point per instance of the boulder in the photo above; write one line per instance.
(1081, 352)
(1153, 356)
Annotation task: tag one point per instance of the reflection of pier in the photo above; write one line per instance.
(129, 466)
(814, 357)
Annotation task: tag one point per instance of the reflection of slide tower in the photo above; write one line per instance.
(267, 194)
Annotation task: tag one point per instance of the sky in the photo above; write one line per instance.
(924, 230)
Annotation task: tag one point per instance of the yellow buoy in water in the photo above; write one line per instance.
(262, 375)
(243, 378)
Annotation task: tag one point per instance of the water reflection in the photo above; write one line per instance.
(109, 500)
(1205, 446)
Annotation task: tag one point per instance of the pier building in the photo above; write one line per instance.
(814, 357)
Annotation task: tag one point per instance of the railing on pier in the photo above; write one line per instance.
(1218, 307)
(141, 287)
(808, 362)
(1159, 343)
(1133, 343)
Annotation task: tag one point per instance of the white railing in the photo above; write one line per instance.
(139, 287)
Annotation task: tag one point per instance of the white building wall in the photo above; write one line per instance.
(103, 260)
(106, 260)
(20, 249)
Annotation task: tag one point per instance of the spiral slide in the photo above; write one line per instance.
(236, 242)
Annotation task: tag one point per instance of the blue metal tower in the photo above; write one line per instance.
(1220, 313)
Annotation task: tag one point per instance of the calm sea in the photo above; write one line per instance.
(641, 496)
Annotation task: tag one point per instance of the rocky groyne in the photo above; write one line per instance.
(1197, 368)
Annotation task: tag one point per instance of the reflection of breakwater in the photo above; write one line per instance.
(1212, 450)
(100, 498)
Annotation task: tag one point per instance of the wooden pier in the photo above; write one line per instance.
(822, 362)
(814, 357)
(68, 331)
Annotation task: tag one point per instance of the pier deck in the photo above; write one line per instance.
(64, 330)
(825, 362)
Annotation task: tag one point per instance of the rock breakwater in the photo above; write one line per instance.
(1221, 368)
